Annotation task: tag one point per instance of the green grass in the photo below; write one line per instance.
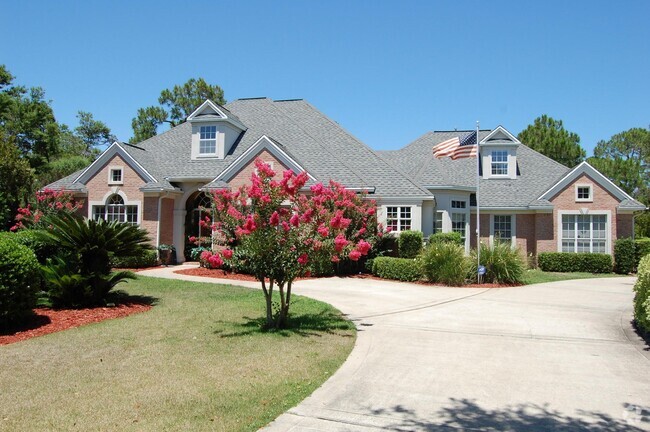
(196, 361)
(537, 276)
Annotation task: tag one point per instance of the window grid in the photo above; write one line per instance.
(208, 140)
(438, 222)
(115, 210)
(499, 162)
(584, 233)
(116, 175)
(458, 204)
(458, 222)
(584, 193)
(398, 218)
(503, 228)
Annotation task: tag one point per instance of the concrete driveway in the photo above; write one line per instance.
(557, 356)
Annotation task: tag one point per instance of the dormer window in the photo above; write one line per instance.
(208, 141)
(583, 193)
(499, 162)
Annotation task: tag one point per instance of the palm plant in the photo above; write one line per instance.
(83, 277)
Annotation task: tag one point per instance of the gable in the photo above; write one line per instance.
(584, 169)
(212, 112)
(114, 150)
(263, 144)
(500, 136)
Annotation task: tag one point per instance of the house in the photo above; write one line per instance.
(162, 183)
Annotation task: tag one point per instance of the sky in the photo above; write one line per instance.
(387, 71)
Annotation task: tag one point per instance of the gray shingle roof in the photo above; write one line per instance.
(317, 143)
(536, 172)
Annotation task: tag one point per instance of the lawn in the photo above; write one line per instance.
(537, 276)
(196, 361)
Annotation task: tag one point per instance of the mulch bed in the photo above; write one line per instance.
(47, 321)
(222, 274)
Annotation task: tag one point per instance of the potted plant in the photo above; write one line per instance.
(167, 254)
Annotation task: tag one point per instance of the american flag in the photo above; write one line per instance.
(457, 148)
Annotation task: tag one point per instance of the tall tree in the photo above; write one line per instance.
(176, 105)
(549, 137)
(16, 178)
(93, 133)
(625, 159)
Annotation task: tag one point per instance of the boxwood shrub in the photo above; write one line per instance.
(624, 258)
(450, 237)
(410, 244)
(19, 281)
(148, 258)
(642, 296)
(574, 262)
(402, 269)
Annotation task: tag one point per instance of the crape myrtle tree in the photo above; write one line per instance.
(279, 233)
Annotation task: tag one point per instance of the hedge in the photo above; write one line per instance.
(449, 237)
(410, 244)
(19, 281)
(642, 248)
(148, 258)
(624, 257)
(33, 240)
(402, 269)
(445, 262)
(642, 296)
(566, 262)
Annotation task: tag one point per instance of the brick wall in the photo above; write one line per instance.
(167, 221)
(243, 177)
(525, 227)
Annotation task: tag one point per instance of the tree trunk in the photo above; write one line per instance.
(268, 296)
(283, 318)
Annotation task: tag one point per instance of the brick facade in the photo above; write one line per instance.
(244, 175)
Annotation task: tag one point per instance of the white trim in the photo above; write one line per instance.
(112, 168)
(263, 143)
(585, 211)
(591, 192)
(115, 190)
(513, 228)
(113, 150)
(500, 129)
(585, 168)
(216, 107)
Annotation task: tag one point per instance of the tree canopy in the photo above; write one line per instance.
(176, 105)
(549, 137)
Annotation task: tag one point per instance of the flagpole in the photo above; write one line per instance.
(478, 208)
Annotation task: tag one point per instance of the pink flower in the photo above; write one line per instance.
(249, 225)
(285, 226)
(363, 247)
(274, 220)
(335, 259)
(323, 230)
(215, 261)
(264, 168)
(317, 189)
(302, 259)
(355, 255)
(295, 220)
(339, 243)
(205, 255)
(227, 253)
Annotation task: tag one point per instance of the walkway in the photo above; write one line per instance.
(542, 357)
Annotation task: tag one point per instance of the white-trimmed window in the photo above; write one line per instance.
(457, 204)
(437, 228)
(398, 218)
(116, 210)
(208, 140)
(458, 223)
(584, 193)
(115, 176)
(584, 233)
(502, 228)
(499, 162)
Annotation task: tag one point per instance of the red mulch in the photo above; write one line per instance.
(47, 321)
(222, 274)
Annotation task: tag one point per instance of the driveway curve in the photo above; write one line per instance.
(556, 356)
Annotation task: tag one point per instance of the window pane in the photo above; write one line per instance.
(584, 233)
(99, 212)
(458, 223)
(568, 246)
(503, 228)
(438, 224)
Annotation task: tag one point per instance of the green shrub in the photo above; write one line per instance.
(410, 244)
(445, 262)
(642, 295)
(450, 237)
(19, 280)
(402, 269)
(624, 259)
(148, 258)
(502, 263)
(574, 262)
(642, 248)
(33, 239)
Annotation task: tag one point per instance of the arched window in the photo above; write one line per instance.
(116, 210)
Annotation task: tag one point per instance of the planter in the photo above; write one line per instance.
(167, 256)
